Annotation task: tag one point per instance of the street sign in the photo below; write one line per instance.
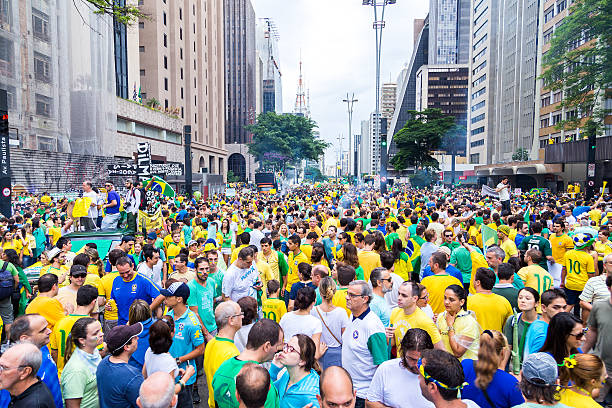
(441, 176)
(591, 170)
(5, 159)
(143, 161)
(462, 177)
(167, 169)
(126, 170)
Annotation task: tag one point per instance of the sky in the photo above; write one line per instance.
(337, 44)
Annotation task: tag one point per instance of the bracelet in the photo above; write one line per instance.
(451, 328)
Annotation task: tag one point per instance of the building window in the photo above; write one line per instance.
(571, 115)
(477, 143)
(478, 93)
(478, 118)
(180, 33)
(165, 84)
(561, 5)
(549, 14)
(479, 105)
(479, 80)
(43, 105)
(180, 13)
(479, 30)
(548, 35)
(480, 16)
(480, 42)
(544, 123)
(546, 100)
(165, 18)
(141, 25)
(557, 97)
(165, 103)
(40, 25)
(479, 55)
(181, 73)
(143, 95)
(478, 131)
(182, 92)
(165, 62)
(195, 85)
(556, 118)
(195, 100)
(181, 53)
(42, 67)
(141, 48)
(479, 68)
(475, 158)
(142, 72)
(478, 6)
(166, 40)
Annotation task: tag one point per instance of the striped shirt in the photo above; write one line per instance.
(595, 290)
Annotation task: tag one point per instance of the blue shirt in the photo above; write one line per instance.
(381, 308)
(297, 286)
(299, 394)
(535, 338)
(450, 269)
(109, 268)
(125, 293)
(112, 195)
(503, 390)
(137, 359)
(187, 337)
(48, 374)
(118, 384)
(518, 239)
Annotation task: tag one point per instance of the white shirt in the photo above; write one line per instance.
(132, 200)
(394, 385)
(391, 297)
(93, 210)
(153, 274)
(160, 362)
(241, 337)
(238, 283)
(336, 320)
(504, 193)
(293, 324)
(256, 237)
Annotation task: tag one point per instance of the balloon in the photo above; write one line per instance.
(197, 195)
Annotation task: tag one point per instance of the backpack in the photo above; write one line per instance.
(7, 283)
(143, 200)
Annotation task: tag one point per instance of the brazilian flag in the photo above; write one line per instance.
(160, 185)
(489, 237)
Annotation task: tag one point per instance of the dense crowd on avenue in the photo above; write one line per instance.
(325, 296)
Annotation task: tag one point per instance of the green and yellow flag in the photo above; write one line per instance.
(489, 237)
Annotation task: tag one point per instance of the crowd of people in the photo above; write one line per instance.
(322, 297)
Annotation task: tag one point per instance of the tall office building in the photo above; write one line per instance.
(503, 77)
(449, 28)
(365, 158)
(267, 47)
(181, 66)
(374, 143)
(388, 97)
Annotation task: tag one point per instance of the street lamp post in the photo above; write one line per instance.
(349, 104)
(378, 26)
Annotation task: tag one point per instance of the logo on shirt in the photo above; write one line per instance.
(356, 334)
(134, 287)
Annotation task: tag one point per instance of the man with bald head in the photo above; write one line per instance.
(20, 363)
(252, 385)
(157, 391)
(336, 388)
(228, 317)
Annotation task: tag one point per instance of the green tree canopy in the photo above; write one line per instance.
(421, 135)
(520, 155)
(279, 140)
(127, 14)
(580, 59)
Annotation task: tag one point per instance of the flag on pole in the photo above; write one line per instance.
(489, 237)
(527, 216)
(139, 93)
(160, 185)
(135, 95)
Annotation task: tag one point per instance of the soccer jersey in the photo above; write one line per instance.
(273, 309)
(491, 310)
(60, 335)
(436, 286)
(49, 308)
(368, 260)
(294, 261)
(202, 297)
(105, 290)
(125, 293)
(560, 245)
(187, 337)
(364, 347)
(578, 265)
(339, 300)
(224, 385)
(402, 322)
(541, 244)
(509, 248)
(217, 351)
(536, 277)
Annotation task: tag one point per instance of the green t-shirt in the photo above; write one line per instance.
(462, 259)
(78, 381)
(218, 278)
(203, 298)
(390, 238)
(451, 245)
(359, 273)
(541, 244)
(224, 385)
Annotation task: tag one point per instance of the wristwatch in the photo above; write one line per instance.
(178, 361)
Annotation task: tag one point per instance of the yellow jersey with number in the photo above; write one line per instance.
(536, 277)
(578, 265)
(273, 309)
(58, 338)
(560, 245)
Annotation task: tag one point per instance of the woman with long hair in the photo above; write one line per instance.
(402, 265)
(96, 267)
(458, 326)
(488, 384)
(140, 313)
(359, 226)
(78, 380)
(299, 385)
(334, 321)
(349, 252)
(23, 293)
(14, 240)
(379, 242)
(226, 238)
(564, 337)
(248, 306)
(587, 375)
(300, 321)
(30, 247)
(319, 256)
(517, 325)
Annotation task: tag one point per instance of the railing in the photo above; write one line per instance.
(576, 152)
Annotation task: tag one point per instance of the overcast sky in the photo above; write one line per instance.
(336, 40)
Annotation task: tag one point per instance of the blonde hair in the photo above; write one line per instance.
(327, 288)
(95, 259)
(588, 367)
(490, 353)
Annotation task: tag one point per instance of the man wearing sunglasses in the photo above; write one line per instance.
(67, 295)
(111, 208)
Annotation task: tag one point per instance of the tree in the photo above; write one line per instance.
(421, 135)
(579, 60)
(126, 14)
(279, 140)
(152, 103)
(231, 177)
(520, 155)
(423, 179)
(314, 174)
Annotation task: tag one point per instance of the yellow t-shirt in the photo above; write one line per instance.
(436, 286)
(62, 271)
(56, 233)
(173, 250)
(465, 325)
(107, 287)
(536, 277)
(271, 261)
(307, 250)
(578, 265)
(217, 351)
(509, 248)
(368, 260)
(595, 215)
(571, 398)
(49, 308)
(602, 248)
(403, 268)
(491, 310)
(293, 261)
(58, 338)
(16, 245)
(339, 300)
(265, 275)
(417, 320)
(560, 245)
(273, 309)
(235, 253)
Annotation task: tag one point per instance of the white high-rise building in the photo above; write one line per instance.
(374, 144)
(365, 159)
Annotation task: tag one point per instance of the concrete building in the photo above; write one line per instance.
(181, 66)
(388, 97)
(503, 77)
(365, 158)
(374, 143)
(267, 47)
(241, 84)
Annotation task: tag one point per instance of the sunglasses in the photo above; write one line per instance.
(581, 334)
(79, 275)
(288, 348)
